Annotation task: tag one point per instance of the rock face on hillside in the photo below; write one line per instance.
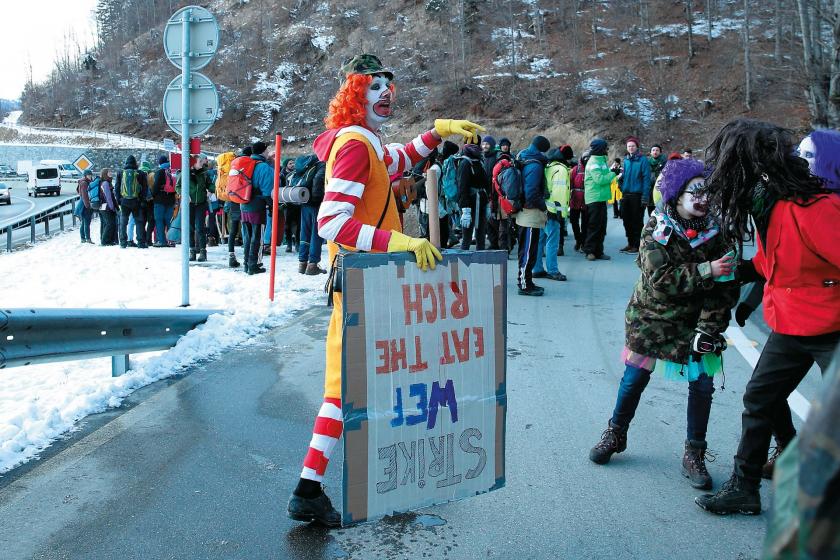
(568, 69)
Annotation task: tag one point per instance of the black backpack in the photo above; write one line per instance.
(306, 178)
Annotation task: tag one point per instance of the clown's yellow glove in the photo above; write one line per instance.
(467, 129)
(425, 252)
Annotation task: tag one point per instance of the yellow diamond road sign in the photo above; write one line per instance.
(82, 163)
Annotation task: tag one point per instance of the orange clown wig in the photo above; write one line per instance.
(347, 108)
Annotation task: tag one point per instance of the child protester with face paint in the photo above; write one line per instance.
(677, 314)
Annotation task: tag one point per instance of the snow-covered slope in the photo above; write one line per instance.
(40, 403)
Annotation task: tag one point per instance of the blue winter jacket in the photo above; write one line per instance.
(533, 175)
(635, 178)
(263, 181)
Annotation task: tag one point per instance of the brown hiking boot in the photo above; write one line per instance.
(312, 269)
(613, 440)
(770, 465)
(694, 464)
(302, 267)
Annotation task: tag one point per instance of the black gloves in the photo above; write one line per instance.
(705, 343)
(742, 313)
(747, 273)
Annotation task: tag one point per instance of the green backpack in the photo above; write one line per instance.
(130, 184)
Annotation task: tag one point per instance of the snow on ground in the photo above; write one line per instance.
(700, 27)
(70, 136)
(12, 118)
(39, 403)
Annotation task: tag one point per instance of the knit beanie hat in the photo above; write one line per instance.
(567, 151)
(257, 148)
(504, 142)
(490, 140)
(146, 166)
(541, 143)
(598, 147)
(247, 151)
(554, 154)
(675, 176)
(634, 140)
(448, 149)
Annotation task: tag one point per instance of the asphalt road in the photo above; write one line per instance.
(201, 466)
(23, 206)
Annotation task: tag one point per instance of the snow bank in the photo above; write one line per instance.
(40, 403)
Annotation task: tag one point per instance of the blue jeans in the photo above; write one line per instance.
(310, 242)
(163, 213)
(549, 243)
(635, 380)
(84, 229)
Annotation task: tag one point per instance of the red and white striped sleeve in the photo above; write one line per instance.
(350, 173)
(399, 158)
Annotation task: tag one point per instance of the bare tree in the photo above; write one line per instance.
(777, 43)
(822, 73)
(709, 20)
(690, 19)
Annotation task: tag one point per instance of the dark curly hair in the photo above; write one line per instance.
(742, 153)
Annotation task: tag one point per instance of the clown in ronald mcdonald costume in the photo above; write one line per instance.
(359, 212)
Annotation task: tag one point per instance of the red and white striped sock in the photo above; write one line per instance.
(325, 434)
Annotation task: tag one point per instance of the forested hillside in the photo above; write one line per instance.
(668, 71)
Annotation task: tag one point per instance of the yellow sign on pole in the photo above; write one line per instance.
(82, 163)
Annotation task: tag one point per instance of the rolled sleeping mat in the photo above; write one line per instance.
(293, 195)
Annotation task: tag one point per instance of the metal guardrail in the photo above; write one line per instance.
(38, 336)
(58, 210)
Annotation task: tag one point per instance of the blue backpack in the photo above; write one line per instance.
(449, 180)
(93, 192)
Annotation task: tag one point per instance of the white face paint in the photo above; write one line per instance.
(378, 104)
(808, 152)
(688, 204)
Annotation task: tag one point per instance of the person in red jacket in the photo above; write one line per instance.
(757, 175)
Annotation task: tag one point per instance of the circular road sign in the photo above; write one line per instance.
(204, 36)
(204, 104)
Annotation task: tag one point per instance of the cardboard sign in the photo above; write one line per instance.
(423, 381)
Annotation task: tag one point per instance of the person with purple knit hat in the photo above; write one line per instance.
(677, 314)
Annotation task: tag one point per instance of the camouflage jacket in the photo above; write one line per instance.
(676, 293)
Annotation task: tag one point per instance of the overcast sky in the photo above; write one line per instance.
(34, 30)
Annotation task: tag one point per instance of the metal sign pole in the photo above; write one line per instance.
(186, 234)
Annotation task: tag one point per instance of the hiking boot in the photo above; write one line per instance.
(694, 465)
(192, 254)
(251, 270)
(212, 241)
(159, 244)
(302, 267)
(232, 262)
(770, 465)
(735, 496)
(632, 251)
(559, 276)
(540, 274)
(202, 255)
(613, 440)
(143, 246)
(625, 249)
(123, 245)
(312, 269)
(318, 509)
(132, 244)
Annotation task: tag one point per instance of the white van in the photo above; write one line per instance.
(44, 179)
(68, 170)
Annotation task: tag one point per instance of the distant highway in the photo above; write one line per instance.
(23, 206)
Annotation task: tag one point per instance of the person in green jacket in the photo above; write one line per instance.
(657, 161)
(200, 185)
(597, 181)
(557, 208)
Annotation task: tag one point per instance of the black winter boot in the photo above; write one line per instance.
(202, 255)
(232, 262)
(318, 509)
(694, 464)
(735, 496)
(192, 254)
(613, 440)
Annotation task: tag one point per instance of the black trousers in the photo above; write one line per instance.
(108, 227)
(596, 228)
(132, 207)
(478, 226)
(580, 221)
(499, 233)
(782, 365)
(633, 215)
(529, 242)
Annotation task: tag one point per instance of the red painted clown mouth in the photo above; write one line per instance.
(383, 108)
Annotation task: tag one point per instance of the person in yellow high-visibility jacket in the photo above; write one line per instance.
(359, 213)
(615, 188)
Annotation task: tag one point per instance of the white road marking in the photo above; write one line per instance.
(21, 214)
(797, 402)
